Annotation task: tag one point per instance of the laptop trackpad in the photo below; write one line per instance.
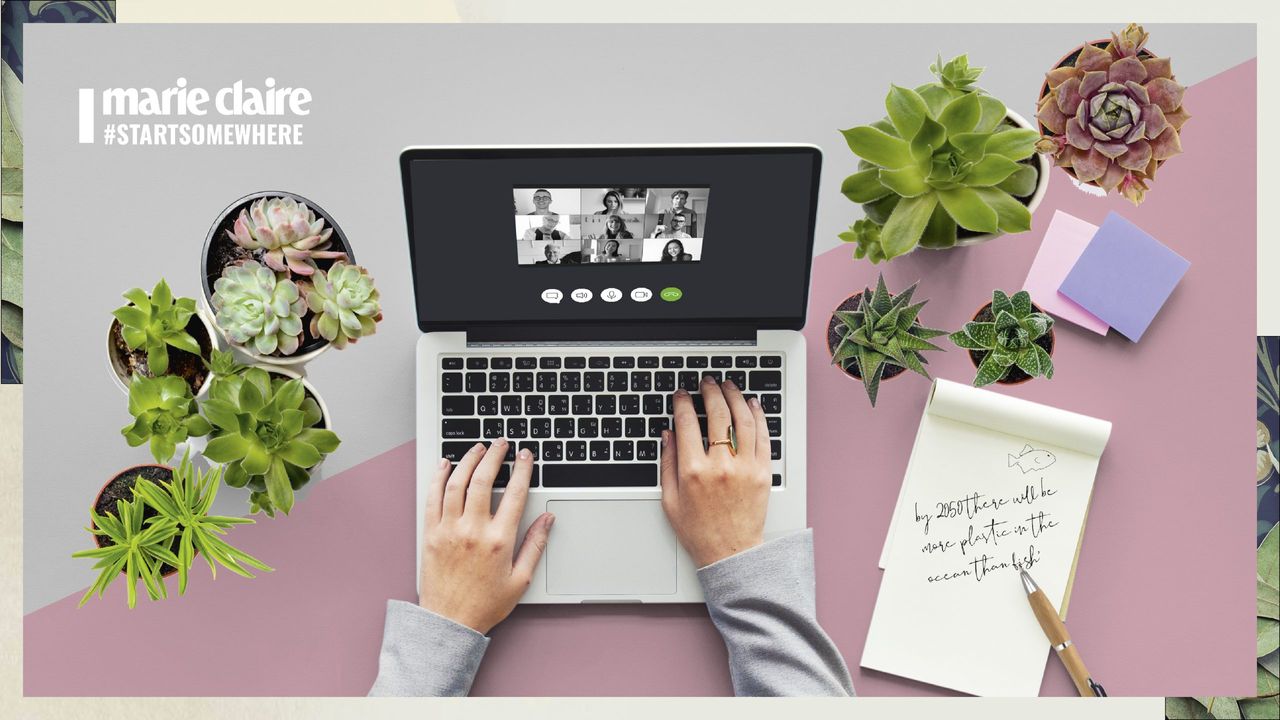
(610, 547)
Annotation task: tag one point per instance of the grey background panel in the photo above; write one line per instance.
(102, 219)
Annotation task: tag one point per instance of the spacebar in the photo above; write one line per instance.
(578, 475)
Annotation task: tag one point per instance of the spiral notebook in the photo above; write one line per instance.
(995, 484)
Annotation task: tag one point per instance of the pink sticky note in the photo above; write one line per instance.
(1064, 240)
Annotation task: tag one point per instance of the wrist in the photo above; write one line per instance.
(457, 615)
(711, 555)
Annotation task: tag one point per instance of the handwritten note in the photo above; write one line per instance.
(994, 485)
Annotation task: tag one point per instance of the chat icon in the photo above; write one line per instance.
(552, 296)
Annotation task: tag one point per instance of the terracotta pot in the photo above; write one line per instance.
(101, 541)
(1014, 376)
(833, 340)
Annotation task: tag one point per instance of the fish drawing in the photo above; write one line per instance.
(1032, 459)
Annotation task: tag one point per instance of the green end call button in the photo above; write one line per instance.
(671, 294)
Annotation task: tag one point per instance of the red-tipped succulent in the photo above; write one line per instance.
(1114, 115)
(287, 232)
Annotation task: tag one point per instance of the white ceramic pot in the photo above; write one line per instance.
(117, 371)
(249, 356)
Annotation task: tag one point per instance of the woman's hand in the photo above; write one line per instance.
(714, 499)
(468, 573)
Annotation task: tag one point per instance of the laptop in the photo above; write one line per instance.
(565, 320)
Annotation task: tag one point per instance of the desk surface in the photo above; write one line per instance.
(1171, 519)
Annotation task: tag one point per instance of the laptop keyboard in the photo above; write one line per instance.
(591, 420)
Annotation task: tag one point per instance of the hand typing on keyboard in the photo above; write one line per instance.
(468, 573)
(715, 498)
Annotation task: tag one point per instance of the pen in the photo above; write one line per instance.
(1056, 631)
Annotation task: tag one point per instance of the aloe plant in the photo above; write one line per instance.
(1009, 339)
(164, 414)
(157, 322)
(942, 160)
(266, 431)
(883, 331)
(135, 549)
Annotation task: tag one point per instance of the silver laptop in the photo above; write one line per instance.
(565, 321)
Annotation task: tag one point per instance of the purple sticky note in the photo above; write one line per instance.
(1063, 242)
(1124, 276)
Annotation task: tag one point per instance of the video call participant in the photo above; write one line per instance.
(609, 253)
(553, 255)
(616, 227)
(674, 230)
(678, 200)
(673, 251)
(541, 202)
(548, 230)
(612, 204)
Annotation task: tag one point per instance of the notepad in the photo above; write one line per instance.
(1064, 240)
(994, 484)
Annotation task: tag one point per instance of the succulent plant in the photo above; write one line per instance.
(265, 430)
(287, 232)
(1009, 339)
(156, 322)
(185, 501)
(344, 302)
(943, 159)
(136, 550)
(164, 414)
(1113, 115)
(258, 309)
(884, 330)
(866, 234)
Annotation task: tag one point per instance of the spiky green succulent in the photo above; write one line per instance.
(266, 432)
(164, 414)
(1008, 339)
(344, 304)
(157, 322)
(134, 549)
(287, 232)
(259, 309)
(185, 501)
(883, 331)
(943, 159)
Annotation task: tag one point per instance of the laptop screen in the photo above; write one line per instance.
(610, 235)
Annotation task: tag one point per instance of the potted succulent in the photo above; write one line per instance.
(165, 414)
(1010, 340)
(271, 429)
(265, 258)
(150, 521)
(1110, 113)
(157, 334)
(950, 165)
(874, 336)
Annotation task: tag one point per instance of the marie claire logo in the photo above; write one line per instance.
(182, 115)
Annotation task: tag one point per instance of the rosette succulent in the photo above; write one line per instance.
(1008, 339)
(882, 331)
(157, 322)
(945, 159)
(164, 414)
(258, 309)
(344, 304)
(287, 232)
(1113, 115)
(133, 548)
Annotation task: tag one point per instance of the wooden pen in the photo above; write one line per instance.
(1056, 631)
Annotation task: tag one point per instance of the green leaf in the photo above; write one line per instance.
(1269, 558)
(183, 341)
(1029, 362)
(878, 147)
(1013, 144)
(935, 97)
(197, 426)
(1000, 303)
(1268, 635)
(130, 317)
(993, 114)
(226, 448)
(983, 333)
(961, 114)
(971, 145)
(278, 488)
(222, 414)
(250, 400)
(989, 171)
(162, 448)
(968, 210)
(907, 223)
(1046, 362)
(1022, 183)
(158, 358)
(879, 211)
(907, 110)
(1260, 708)
(989, 371)
(299, 453)
(11, 143)
(864, 186)
(256, 459)
(11, 326)
(11, 252)
(931, 137)
(289, 396)
(941, 230)
(907, 181)
(1021, 302)
(1011, 215)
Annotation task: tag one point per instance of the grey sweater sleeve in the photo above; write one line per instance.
(424, 654)
(762, 601)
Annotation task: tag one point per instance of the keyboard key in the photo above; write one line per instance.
(552, 451)
(772, 403)
(699, 405)
(696, 361)
(588, 427)
(531, 446)
(522, 382)
(689, 381)
(629, 404)
(611, 475)
(511, 405)
(657, 425)
(499, 382)
(647, 450)
(647, 361)
(611, 427)
(451, 363)
(599, 450)
(777, 480)
(764, 380)
(526, 363)
(476, 382)
(575, 363)
(721, 361)
(570, 381)
(598, 362)
(737, 377)
(454, 450)
(664, 381)
(549, 363)
(716, 375)
(618, 382)
(564, 427)
(635, 427)
(771, 361)
(593, 381)
(652, 404)
(623, 361)
(641, 381)
(606, 404)
(745, 361)
(775, 426)
(460, 428)
(477, 363)
(540, 427)
(558, 405)
(487, 405)
(535, 405)
(451, 382)
(517, 428)
(775, 449)
(623, 450)
(581, 405)
(503, 477)
(673, 361)
(575, 450)
(457, 405)
(511, 451)
(500, 363)
(546, 382)
(492, 428)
